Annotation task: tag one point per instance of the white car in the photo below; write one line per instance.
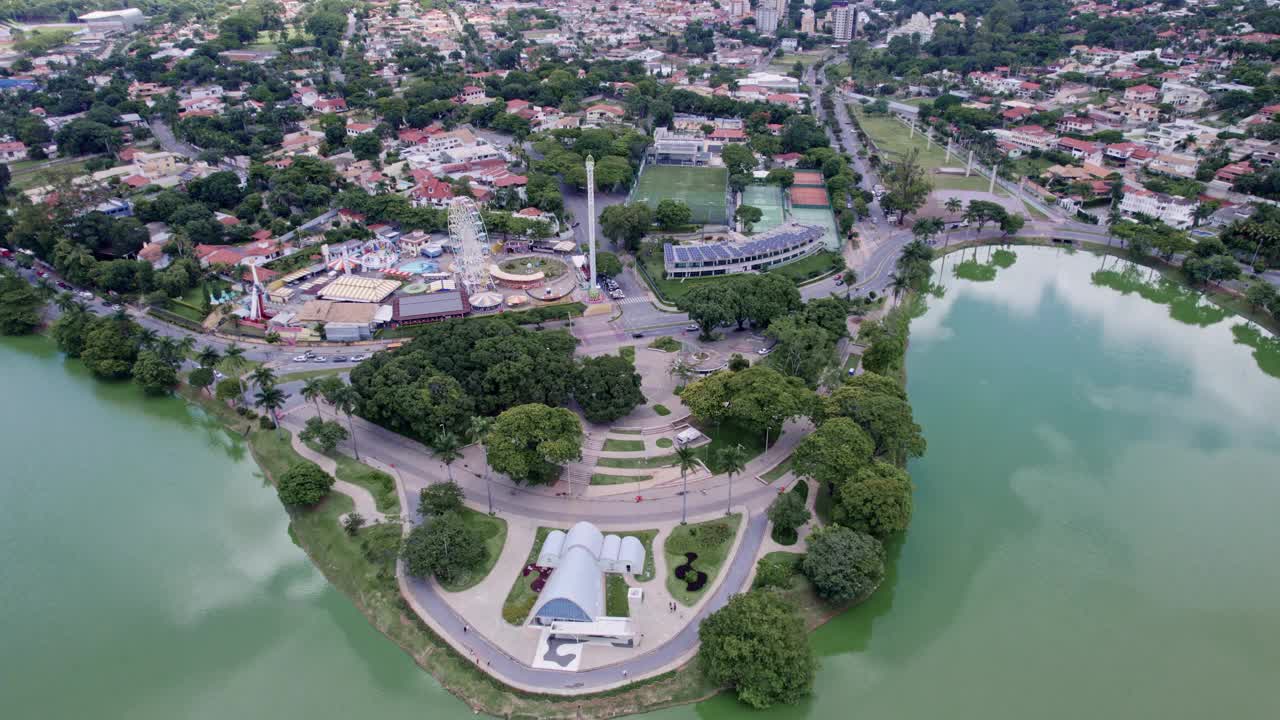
(302, 358)
(765, 350)
(693, 326)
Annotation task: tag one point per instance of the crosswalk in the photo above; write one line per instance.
(633, 300)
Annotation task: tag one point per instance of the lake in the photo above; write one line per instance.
(1094, 534)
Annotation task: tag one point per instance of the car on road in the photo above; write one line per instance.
(765, 350)
(85, 294)
(302, 358)
(63, 285)
(360, 358)
(839, 280)
(692, 326)
(637, 335)
(319, 359)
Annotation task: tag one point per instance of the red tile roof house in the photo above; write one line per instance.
(13, 151)
(431, 191)
(1231, 173)
(1142, 93)
(330, 105)
(605, 113)
(1015, 114)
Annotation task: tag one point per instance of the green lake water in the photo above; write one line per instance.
(1094, 535)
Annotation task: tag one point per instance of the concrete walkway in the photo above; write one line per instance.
(362, 498)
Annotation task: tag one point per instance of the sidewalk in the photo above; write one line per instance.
(363, 499)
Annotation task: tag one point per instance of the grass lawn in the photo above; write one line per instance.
(895, 141)
(184, 311)
(807, 268)
(615, 596)
(778, 471)
(975, 183)
(521, 598)
(380, 484)
(613, 445)
(662, 410)
(607, 479)
(701, 188)
(628, 352)
(621, 431)
(666, 343)
(711, 540)
(305, 375)
(637, 463)
(41, 176)
(494, 532)
(549, 267)
(728, 435)
(663, 442)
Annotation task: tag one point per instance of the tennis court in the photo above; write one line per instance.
(819, 216)
(769, 199)
(701, 188)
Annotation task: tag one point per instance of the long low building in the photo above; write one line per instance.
(779, 246)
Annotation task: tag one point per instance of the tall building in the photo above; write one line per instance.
(768, 14)
(843, 21)
(806, 21)
(739, 8)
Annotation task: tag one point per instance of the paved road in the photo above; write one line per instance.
(164, 135)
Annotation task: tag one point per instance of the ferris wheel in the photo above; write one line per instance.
(471, 241)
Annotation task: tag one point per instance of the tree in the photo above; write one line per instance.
(757, 644)
(530, 442)
(346, 400)
(906, 186)
(756, 399)
(201, 378)
(19, 305)
(733, 460)
(687, 459)
(271, 399)
(985, 211)
(228, 391)
(235, 361)
(710, 306)
(787, 513)
(747, 216)
(626, 224)
(800, 349)
(843, 564)
(879, 406)
(153, 373)
(312, 390)
(440, 498)
(875, 500)
(324, 434)
(263, 376)
(445, 546)
(738, 158)
(448, 448)
(110, 348)
(366, 146)
(1012, 223)
(838, 449)
(304, 483)
(608, 264)
(784, 177)
(607, 387)
(762, 298)
(1260, 295)
(208, 357)
(672, 214)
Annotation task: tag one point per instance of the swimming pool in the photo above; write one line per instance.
(419, 267)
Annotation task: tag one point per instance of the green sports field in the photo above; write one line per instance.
(701, 188)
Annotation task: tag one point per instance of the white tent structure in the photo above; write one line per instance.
(575, 591)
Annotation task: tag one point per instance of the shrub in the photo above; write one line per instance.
(304, 483)
(439, 498)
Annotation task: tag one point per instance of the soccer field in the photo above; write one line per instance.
(701, 188)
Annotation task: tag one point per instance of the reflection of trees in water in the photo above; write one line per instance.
(1186, 305)
(1266, 348)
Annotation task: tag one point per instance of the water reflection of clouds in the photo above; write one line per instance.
(1221, 373)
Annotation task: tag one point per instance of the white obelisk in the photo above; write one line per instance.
(591, 222)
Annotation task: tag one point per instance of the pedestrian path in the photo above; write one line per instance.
(363, 499)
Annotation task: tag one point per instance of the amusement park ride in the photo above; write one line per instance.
(471, 242)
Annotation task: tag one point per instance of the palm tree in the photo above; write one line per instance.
(687, 460)
(168, 350)
(67, 303)
(263, 376)
(270, 398)
(185, 345)
(447, 445)
(733, 460)
(208, 356)
(953, 206)
(346, 400)
(147, 337)
(313, 390)
(234, 359)
(900, 284)
(479, 430)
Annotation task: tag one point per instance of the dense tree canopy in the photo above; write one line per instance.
(756, 398)
(879, 406)
(607, 387)
(19, 305)
(757, 643)
(530, 442)
(843, 564)
(875, 500)
(444, 546)
(838, 449)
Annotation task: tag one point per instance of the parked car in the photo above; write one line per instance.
(764, 350)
